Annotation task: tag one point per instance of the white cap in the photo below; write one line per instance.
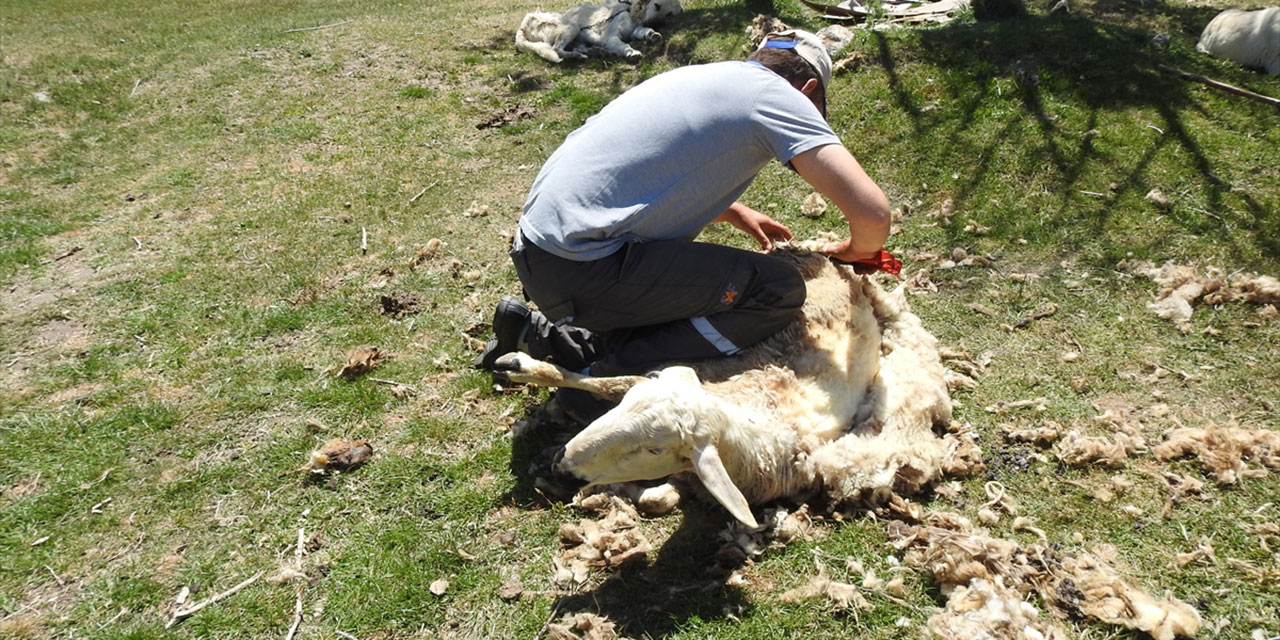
(806, 45)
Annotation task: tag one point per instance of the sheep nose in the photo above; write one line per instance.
(556, 459)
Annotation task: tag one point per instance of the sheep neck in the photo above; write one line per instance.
(758, 455)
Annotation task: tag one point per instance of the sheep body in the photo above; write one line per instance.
(843, 400)
(589, 29)
(1248, 38)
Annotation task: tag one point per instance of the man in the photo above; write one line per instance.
(605, 245)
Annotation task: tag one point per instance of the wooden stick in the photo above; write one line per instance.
(323, 26)
(135, 87)
(297, 565)
(364, 241)
(185, 613)
(297, 616)
(551, 618)
(424, 190)
(1220, 85)
(393, 383)
(68, 254)
(346, 635)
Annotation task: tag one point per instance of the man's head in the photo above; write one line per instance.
(801, 59)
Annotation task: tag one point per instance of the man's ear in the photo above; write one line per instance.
(809, 86)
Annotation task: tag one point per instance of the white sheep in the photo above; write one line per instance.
(843, 401)
(594, 29)
(1248, 38)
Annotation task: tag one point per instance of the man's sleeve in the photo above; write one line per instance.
(789, 124)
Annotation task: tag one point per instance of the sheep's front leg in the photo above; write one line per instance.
(646, 34)
(524, 368)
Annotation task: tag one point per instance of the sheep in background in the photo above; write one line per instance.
(594, 29)
(1248, 38)
(842, 401)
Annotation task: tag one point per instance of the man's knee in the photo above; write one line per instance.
(780, 285)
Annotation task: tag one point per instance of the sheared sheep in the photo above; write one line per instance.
(594, 29)
(843, 400)
(1248, 38)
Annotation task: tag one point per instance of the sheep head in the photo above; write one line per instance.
(654, 13)
(664, 425)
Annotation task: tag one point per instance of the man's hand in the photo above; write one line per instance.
(844, 251)
(764, 229)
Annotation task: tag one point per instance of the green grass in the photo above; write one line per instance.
(183, 193)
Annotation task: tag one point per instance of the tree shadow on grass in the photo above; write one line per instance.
(1053, 65)
(1050, 61)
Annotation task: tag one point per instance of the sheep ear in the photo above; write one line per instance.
(711, 471)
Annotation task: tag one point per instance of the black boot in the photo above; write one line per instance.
(510, 325)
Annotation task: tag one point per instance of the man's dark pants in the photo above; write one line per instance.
(654, 303)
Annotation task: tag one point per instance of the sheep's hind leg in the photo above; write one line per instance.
(524, 368)
(615, 46)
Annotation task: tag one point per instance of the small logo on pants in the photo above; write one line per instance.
(730, 294)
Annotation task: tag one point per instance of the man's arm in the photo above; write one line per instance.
(756, 224)
(836, 174)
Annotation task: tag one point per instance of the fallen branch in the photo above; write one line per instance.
(424, 190)
(298, 550)
(297, 616)
(1222, 86)
(68, 254)
(399, 385)
(323, 26)
(186, 613)
(550, 618)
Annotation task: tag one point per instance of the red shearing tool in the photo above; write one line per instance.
(883, 261)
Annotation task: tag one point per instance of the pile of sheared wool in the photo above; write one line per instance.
(582, 626)
(609, 542)
(988, 609)
(841, 595)
(761, 26)
(1224, 451)
(1078, 449)
(1181, 287)
(969, 564)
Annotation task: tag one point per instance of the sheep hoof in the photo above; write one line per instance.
(653, 36)
(509, 363)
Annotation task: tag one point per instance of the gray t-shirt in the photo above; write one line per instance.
(667, 157)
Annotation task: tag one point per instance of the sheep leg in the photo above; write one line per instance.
(524, 368)
(646, 34)
(613, 44)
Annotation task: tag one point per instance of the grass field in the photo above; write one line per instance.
(202, 206)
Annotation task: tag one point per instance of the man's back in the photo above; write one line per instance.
(667, 157)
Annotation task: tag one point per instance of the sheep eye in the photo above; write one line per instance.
(657, 451)
(657, 7)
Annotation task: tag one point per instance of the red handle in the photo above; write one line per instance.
(884, 261)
